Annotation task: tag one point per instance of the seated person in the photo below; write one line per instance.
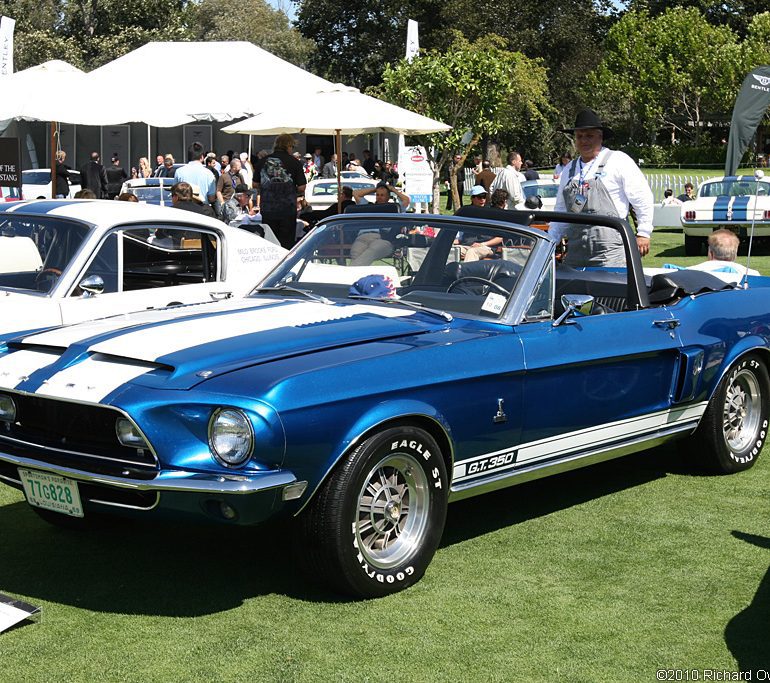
(382, 195)
(499, 199)
(723, 250)
(669, 199)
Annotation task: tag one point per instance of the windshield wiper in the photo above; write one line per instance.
(294, 290)
(409, 304)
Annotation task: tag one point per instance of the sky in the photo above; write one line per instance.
(286, 5)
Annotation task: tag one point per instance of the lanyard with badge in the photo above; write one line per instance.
(584, 171)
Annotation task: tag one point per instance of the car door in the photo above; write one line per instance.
(597, 382)
(146, 268)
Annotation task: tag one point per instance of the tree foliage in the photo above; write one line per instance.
(253, 21)
(479, 87)
(671, 71)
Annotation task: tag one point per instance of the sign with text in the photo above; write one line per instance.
(414, 169)
(6, 45)
(10, 162)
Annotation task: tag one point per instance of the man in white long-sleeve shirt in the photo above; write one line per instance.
(604, 182)
(510, 179)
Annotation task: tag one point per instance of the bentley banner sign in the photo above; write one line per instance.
(10, 162)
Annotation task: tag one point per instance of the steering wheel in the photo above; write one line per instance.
(488, 284)
(47, 276)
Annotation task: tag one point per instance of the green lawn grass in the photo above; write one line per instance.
(604, 574)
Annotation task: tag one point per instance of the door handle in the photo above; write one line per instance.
(669, 324)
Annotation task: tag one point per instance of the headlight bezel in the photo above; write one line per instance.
(215, 415)
(139, 440)
(10, 418)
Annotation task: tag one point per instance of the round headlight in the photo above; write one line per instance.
(7, 408)
(231, 436)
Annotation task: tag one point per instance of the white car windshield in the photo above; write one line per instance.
(35, 251)
(461, 269)
(734, 188)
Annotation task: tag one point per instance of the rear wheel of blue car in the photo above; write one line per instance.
(734, 427)
(374, 526)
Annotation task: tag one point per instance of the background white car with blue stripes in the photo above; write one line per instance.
(734, 202)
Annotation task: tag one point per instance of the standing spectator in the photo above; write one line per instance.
(144, 168)
(389, 175)
(604, 182)
(279, 178)
(499, 199)
(564, 161)
(247, 170)
(318, 159)
(158, 166)
(212, 164)
(116, 175)
(228, 181)
(529, 171)
(211, 154)
(224, 162)
(93, 177)
(195, 173)
(368, 162)
(509, 179)
(186, 196)
(330, 168)
(62, 175)
(308, 167)
(486, 177)
(689, 190)
(478, 164)
(167, 170)
(238, 204)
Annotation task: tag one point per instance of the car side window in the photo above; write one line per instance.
(167, 256)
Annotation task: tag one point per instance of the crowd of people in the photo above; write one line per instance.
(268, 188)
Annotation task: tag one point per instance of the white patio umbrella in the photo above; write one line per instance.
(334, 111)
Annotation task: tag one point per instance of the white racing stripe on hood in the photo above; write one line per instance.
(156, 342)
(16, 367)
(90, 380)
(64, 336)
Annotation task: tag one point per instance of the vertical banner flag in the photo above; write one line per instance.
(412, 49)
(750, 106)
(6, 45)
(412, 40)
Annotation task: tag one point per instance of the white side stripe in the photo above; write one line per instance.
(590, 438)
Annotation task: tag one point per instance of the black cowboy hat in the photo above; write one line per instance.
(587, 118)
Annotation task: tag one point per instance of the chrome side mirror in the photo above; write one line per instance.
(91, 285)
(574, 305)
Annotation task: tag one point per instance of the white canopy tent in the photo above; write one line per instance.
(337, 109)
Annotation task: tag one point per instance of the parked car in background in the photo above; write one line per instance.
(546, 188)
(10, 194)
(64, 261)
(150, 190)
(734, 202)
(36, 183)
(360, 397)
(322, 193)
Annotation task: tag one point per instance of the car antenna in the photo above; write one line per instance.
(758, 175)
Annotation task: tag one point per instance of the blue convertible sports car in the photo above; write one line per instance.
(377, 374)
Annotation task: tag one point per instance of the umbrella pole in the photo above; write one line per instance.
(338, 143)
(149, 154)
(53, 159)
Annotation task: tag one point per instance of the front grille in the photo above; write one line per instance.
(73, 435)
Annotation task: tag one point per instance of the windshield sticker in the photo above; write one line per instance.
(494, 303)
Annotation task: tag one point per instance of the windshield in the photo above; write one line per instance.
(458, 268)
(36, 177)
(34, 251)
(544, 191)
(734, 188)
(152, 195)
(331, 188)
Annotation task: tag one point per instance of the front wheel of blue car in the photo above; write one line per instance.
(374, 526)
(735, 425)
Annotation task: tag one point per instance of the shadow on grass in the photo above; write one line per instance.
(746, 633)
(492, 511)
(179, 570)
